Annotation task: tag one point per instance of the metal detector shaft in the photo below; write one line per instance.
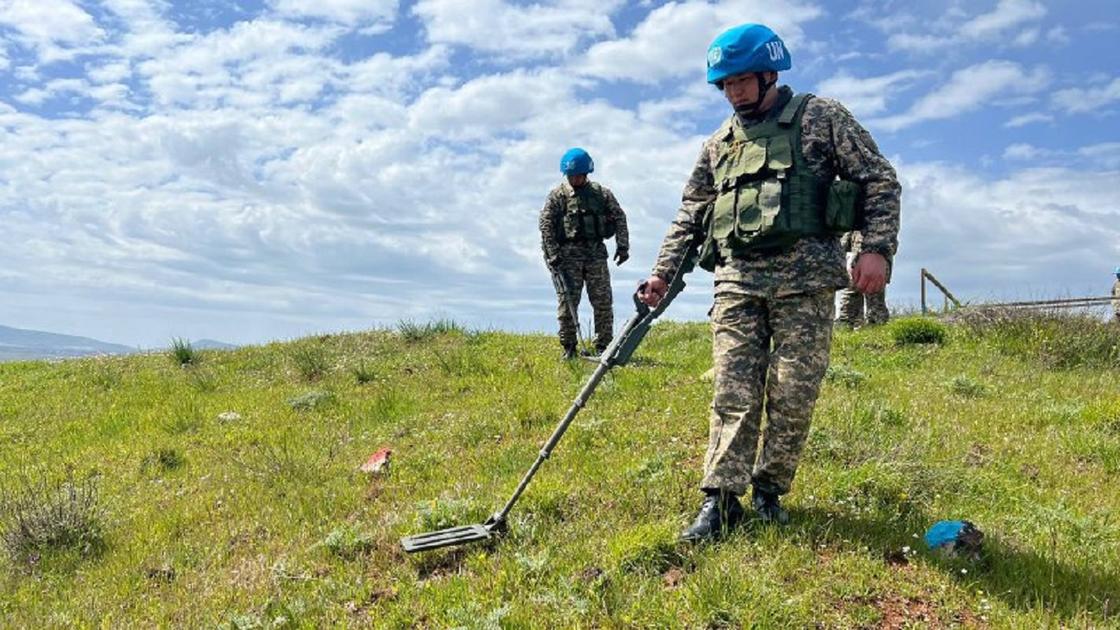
(618, 353)
(560, 281)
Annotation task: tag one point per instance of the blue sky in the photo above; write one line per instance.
(250, 171)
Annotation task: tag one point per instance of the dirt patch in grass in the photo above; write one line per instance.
(906, 612)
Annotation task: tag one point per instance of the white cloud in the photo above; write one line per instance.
(955, 29)
(1037, 232)
(1027, 119)
(1023, 151)
(1006, 15)
(47, 25)
(1094, 157)
(370, 16)
(516, 31)
(966, 90)
(1027, 38)
(672, 40)
(1058, 35)
(868, 96)
(1103, 155)
(1077, 100)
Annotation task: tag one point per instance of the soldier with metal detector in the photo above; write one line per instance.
(773, 189)
(577, 217)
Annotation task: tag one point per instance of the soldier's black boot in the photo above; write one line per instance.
(719, 513)
(768, 506)
(569, 353)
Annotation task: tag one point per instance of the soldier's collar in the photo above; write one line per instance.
(785, 93)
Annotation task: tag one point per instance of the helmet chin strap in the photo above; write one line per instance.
(752, 109)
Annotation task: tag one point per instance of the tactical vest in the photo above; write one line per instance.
(767, 197)
(585, 216)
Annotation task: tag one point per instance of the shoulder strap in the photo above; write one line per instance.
(793, 109)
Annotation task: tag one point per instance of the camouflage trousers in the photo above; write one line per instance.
(853, 303)
(595, 274)
(765, 349)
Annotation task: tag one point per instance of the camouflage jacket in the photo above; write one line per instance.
(851, 241)
(1116, 296)
(833, 144)
(554, 207)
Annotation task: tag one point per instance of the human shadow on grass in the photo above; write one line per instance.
(1024, 579)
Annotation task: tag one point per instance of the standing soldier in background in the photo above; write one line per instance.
(773, 189)
(851, 310)
(577, 217)
(1116, 296)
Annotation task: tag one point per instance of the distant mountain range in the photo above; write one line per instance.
(17, 344)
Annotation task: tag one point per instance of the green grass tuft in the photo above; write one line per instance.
(918, 330)
(413, 332)
(38, 516)
(311, 359)
(182, 353)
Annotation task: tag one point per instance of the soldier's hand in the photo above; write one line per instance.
(652, 291)
(869, 275)
(621, 256)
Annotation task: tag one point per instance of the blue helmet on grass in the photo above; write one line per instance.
(576, 161)
(746, 48)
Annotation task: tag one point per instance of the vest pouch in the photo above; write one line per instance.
(770, 203)
(590, 226)
(749, 217)
(571, 226)
(723, 216)
(779, 154)
(840, 211)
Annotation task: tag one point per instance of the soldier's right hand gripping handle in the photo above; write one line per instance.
(624, 345)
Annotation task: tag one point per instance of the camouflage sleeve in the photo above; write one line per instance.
(699, 194)
(618, 217)
(550, 240)
(856, 158)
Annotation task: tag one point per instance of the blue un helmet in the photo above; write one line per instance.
(576, 161)
(1117, 271)
(746, 48)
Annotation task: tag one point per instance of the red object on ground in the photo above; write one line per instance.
(377, 462)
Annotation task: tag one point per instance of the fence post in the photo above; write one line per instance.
(924, 309)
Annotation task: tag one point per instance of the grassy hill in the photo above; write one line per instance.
(145, 503)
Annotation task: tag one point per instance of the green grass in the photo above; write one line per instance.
(265, 520)
(181, 352)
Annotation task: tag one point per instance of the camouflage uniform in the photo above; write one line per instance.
(582, 262)
(1116, 300)
(851, 310)
(772, 317)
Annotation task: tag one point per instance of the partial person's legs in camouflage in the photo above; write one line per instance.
(802, 332)
(573, 274)
(598, 278)
(850, 311)
(877, 312)
(741, 354)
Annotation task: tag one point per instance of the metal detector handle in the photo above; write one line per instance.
(623, 347)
